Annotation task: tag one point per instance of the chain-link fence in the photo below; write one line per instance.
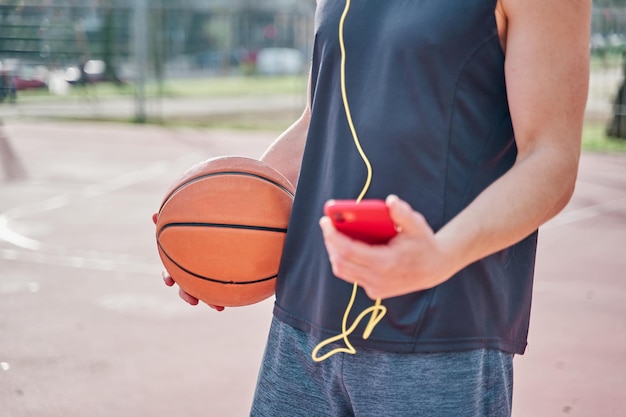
(70, 57)
(63, 32)
(607, 47)
(607, 96)
(138, 59)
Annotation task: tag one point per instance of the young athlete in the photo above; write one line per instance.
(470, 115)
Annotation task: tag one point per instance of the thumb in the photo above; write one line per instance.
(406, 219)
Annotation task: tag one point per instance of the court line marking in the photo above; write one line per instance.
(15, 238)
(42, 253)
(97, 263)
(107, 261)
(586, 213)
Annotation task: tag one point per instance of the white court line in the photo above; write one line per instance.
(94, 259)
(585, 213)
(81, 262)
(15, 238)
(101, 261)
(21, 241)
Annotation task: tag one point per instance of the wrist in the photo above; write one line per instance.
(452, 255)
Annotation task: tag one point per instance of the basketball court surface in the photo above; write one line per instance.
(88, 329)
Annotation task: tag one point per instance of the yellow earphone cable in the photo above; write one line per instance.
(378, 311)
(346, 105)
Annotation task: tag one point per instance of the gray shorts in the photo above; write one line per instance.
(476, 383)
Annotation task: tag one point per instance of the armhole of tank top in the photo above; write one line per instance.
(501, 24)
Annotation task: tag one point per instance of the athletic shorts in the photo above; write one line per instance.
(477, 383)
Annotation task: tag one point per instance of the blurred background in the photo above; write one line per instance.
(137, 60)
(104, 102)
(130, 60)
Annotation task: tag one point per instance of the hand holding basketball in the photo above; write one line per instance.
(169, 281)
(190, 299)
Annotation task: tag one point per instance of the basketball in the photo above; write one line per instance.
(221, 229)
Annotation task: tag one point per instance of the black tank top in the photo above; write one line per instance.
(425, 83)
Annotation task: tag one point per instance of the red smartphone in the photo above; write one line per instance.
(367, 220)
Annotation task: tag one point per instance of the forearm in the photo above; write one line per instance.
(285, 153)
(534, 190)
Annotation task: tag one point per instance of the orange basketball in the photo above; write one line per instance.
(221, 228)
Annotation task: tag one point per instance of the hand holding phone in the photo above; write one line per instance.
(367, 220)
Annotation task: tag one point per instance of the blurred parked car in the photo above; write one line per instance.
(88, 72)
(279, 61)
(25, 75)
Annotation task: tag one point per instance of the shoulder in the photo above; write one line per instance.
(545, 10)
(549, 24)
(547, 68)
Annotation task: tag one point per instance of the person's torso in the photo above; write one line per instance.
(426, 90)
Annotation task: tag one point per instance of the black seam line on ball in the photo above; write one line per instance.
(215, 174)
(224, 226)
(219, 281)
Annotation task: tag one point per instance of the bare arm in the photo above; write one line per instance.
(285, 153)
(547, 71)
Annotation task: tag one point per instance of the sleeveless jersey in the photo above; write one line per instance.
(425, 84)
